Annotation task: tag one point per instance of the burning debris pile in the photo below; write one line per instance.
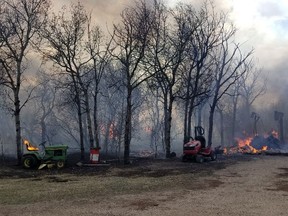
(260, 142)
(256, 145)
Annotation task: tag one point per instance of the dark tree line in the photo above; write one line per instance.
(183, 57)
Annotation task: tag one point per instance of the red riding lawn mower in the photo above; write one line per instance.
(195, 149)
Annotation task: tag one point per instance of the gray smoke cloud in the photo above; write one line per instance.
(262, 25)
(104, 12)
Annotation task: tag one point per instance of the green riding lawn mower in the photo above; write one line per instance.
(44, 156)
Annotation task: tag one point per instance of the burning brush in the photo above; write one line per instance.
(254, 145)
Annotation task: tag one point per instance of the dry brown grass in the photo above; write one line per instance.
(18, 186)
(167, 188)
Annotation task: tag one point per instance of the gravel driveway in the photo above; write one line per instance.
(256, 187)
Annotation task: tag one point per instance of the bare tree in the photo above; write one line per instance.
(220, 109)
(171, 34)
(234, 95)
(130, 39)
(230, 65)
(235, 106)
(100, 61)
(45, 103)
(113, 111)
(20, 20)
(154, 120)
(70, 47)
(197, 77)
(252, 86)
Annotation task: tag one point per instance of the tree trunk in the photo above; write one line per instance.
(85, 131)
(221, 127)
(199, 120)
(17, 114)
(186, 112)
(190, 103)
(81, 132)
(235, 101)
(89, 122)
(168, 135)
(128, 124)
(186, 121)
(190, 114)
(79, 113)
(43, 130)
(168, 122)
(18, 126)
(120, 131)
(211, 122)
(95, 119)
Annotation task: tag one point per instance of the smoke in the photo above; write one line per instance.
(266, 31)
(270, 46)
(103, 13)
(270, 9)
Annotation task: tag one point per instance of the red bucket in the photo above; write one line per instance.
(94, 155)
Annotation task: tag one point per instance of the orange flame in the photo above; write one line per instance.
(244, 146)
(244, 142)
(264, 148)
(29, 146)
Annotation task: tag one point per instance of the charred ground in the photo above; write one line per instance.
(139, 167)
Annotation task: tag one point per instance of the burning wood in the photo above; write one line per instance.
(254, 145)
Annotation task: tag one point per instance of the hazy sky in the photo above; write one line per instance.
(262, 24)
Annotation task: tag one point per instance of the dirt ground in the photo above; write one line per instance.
(233, 185)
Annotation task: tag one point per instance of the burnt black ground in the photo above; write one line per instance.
(139, 166)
